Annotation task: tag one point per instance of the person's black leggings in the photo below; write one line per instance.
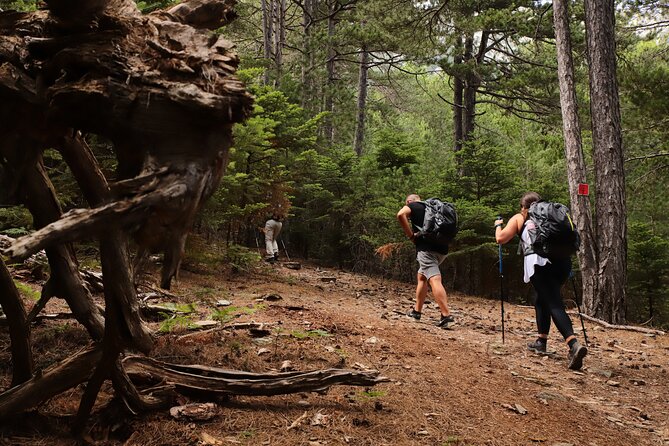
(547, 281)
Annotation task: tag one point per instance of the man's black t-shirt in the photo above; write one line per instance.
(416, 217)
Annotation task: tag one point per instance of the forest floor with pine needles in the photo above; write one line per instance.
(460, 386)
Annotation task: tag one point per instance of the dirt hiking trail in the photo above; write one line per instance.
(459, 386)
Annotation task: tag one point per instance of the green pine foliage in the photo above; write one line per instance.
(150, 6)
(15, 220)
(648, 298)
(18, 5)
(259, 180)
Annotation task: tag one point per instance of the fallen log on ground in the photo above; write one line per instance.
(230, 382)
(45, 385)
(619, 327)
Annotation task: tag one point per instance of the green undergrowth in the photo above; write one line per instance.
(230, 313)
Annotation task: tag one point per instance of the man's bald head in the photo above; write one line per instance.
(411, 198)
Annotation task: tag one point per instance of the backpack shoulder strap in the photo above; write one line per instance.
(414, 225)
(525, 249)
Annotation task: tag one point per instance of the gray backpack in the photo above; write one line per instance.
(554, 235)
(440, 224)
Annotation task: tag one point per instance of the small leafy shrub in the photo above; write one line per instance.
(299, 334)
(171, 307)
(371, 394)
(173, 322)
(227, 314)
(16, 232)
(15, 221)
(204, 292)
(240, 257)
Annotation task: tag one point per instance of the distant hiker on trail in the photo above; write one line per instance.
(429, 257)
(272, 230)
(547, 276)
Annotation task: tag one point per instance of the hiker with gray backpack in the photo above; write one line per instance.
(430, 225)
(548, 238)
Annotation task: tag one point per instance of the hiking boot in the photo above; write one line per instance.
(576, 354)
(414, 314)
(444, 321)
(537, 346)
(276, 257)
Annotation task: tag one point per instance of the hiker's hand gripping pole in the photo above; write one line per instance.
(501, 282)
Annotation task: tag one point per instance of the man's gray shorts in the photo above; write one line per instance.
(428, 263)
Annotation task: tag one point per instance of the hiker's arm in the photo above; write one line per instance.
(403, 217)
(507, 233)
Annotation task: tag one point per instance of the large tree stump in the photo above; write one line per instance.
(162, 88)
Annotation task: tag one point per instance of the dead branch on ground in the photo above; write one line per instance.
(619, 327)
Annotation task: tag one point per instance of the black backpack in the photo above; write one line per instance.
(555, 234)
(440, 224)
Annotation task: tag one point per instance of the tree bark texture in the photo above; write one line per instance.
(19, 331)
(221, 381)
(611, 225)
(307, 56)
(330, 68)
(359, 140)
(469, 92)
(41, 200)
(85, 168)
(576, 169)
(203, 13)
(267, 6)
(279, 37)
(458, 89)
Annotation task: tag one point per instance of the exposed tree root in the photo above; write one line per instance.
(220, 381)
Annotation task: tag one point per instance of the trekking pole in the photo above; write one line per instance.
(501, 285)
(285, 250)
(580, 313)
(255, 236)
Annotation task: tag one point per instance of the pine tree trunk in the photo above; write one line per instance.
(330, 66)
(469, 94)
(279, 16)
(472, 82)
(307, 56)
(458, 88)
(611, 230)
(266, 7)
(282, 35)
(576, 169)
(362, 101)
